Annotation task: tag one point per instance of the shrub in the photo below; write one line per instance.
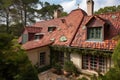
(42, 69)
(70, 67)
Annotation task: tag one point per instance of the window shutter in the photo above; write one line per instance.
(24, 38)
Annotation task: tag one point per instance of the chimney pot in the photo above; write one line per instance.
(57, 14)
(90, 7)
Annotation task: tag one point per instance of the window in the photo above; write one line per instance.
(39, 36)
(94, 33)
(51, 28)
(42, 58)
(61, 57)
(94, 63)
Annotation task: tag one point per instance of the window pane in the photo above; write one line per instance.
(94, 33)
(102, 64)
(93, 63)
(85, 62)
(42, 58)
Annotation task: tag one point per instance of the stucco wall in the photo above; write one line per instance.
(34, 55)
(77, 60)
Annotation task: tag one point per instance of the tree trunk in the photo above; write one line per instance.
(25, 15)
(7, 20)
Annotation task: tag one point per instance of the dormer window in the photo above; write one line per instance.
(51, 28)
(63, 20)
(94, 33)
(38, 36)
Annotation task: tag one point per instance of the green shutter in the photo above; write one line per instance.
(24, 38)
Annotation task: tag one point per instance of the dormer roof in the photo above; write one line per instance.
(94, 19)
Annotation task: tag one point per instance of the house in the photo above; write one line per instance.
(84, 38)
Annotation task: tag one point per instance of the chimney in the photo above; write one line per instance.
(57, 14)
(90, 7)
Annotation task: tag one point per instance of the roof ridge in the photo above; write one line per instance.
(79, 10)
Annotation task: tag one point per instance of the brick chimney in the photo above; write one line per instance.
(57, 14)
(90, 7)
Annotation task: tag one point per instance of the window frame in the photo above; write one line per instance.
(38, 36)
(98, 63)
(51, 28)
(42, 58)
(97, 32)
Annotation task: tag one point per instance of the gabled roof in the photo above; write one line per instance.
(94, 17)
(67, 29)
(35, 44)
(113, 19)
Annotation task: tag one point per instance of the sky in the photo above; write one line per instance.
(69, 5)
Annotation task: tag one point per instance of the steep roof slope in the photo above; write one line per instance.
(113, 19)
(65, 27)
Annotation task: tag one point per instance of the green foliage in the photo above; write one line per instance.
(47, 10)
(82, 51)
(116, 55)
(114, 73)
(14, 61)
(18, 11)
(16, 29)
(16, 14)
(5, 40)
(64, 14)
(42, 69)
(2, 28)
(108, 9)
(57, 66)
(70, 67)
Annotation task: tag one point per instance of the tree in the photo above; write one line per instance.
(18, 11)
(116, 56)
(26, 11)
(47, 10)
(16, 14)
(5, 12)
(64, 14)
(14, 61)
(108, 9)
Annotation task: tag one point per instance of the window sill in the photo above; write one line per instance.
(94, 40)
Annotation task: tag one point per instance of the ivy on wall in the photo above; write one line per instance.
(83, 51)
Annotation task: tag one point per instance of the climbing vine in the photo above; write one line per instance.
(83, 51)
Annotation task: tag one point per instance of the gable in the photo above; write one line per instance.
(111, 28)
(95, 22)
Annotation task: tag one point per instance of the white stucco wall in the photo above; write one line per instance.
(34, 55)
(77, 60)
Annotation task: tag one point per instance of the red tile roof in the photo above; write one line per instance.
(33, 29)
(66, 29)
(71, 28)
(35, 44)
(107, 44)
